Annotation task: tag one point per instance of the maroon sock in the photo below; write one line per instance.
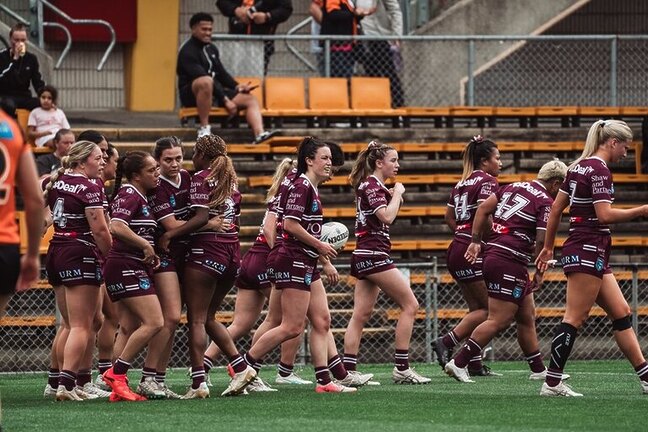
(476, 362)
(160, 377)
(401, 359)
(642, 371)
(53, 377)
(208, 363)
(238, 363)
(322, 375)
(197, 376)
(256, 364)
(83, 377)
(535, 362)
(336, 367)
(103, 365)
(285, 369)
(467, 352)
(450, 340)
(67, 379)
(350, 362)
(147, 372)
(121, 367)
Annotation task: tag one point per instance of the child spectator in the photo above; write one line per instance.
(45, 121)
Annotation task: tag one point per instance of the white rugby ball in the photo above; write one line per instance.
(335, 234)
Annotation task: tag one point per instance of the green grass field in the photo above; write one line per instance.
(613, 401)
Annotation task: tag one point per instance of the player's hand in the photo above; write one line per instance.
(326, 250)
(331, 273)
(398, 188)
(473, 251)
(542, 261)
(29, 272)
(163, 242)
(242, 14)
(536, 281)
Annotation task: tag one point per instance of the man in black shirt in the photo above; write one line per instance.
(257, 17)
(202, 79)
(46, 164)
(19, 68)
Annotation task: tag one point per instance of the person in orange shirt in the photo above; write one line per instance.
(17, 168)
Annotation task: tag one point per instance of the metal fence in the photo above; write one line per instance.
(597, 70)
(27, 333)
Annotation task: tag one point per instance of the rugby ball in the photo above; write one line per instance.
(336, 234)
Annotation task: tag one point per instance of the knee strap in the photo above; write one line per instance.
(622, 323)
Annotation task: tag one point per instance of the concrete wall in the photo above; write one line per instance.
(446, 63)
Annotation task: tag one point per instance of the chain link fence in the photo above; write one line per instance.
(433, 71)
(27, 330)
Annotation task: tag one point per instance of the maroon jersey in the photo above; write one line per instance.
(466, 197)
(132, 208)
(170, 198)
(260, 243)
(200, 196)
(303, 205)
(279, 203)
(522, 209)
(68, 199)
(372, 234)
(588, 182)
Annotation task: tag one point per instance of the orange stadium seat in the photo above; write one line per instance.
(329, 95)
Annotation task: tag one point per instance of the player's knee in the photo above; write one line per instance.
(321, 323)
(293, 330)
(204, 83)
(411, 308)
(622, 323)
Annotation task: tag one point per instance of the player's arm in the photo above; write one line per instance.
(293, 227)
(483, 217)
(388, 214)
(546, 254)
(97, 221)
(270, 228)
(607, 214)
(27, 182)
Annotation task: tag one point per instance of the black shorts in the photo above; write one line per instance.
(188, 99)
(9, 268)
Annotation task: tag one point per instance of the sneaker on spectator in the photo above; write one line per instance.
(561, 389)
(204, 130)
(293, 378)
(460, 374)
(264, 136)
(334, 387)
(409, 376)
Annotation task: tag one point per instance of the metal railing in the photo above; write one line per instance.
(495, 70)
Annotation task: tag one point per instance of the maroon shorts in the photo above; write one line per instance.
(289, 271)
(506, 278)
(221, 261)
(73, 264)
(365, 265)
(127, 277)
(587, 253)
(253, 274)
(460, 269)
(174, 260)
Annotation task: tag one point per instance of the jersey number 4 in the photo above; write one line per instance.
(58, 216)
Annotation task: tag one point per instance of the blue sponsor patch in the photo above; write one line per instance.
(5, 131)
(308, 279)
(599, 264)
(172, 201)
(145, 211)
(517, 292)
(164, 263)
(144, 283)
(314, 207)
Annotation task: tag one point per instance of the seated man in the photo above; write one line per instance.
(203, 79)
(19, 68)
(46, 164)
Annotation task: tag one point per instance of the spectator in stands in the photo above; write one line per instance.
(341, 17)
(47, 119)
(315, 11)
(19, 69)
(257, 17)
(380, 58)
(18, 273)
(202, 79)
(50, 162)
(589, 192)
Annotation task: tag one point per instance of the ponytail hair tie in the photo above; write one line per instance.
(478, 139)
(602, 124)
(373, 145)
